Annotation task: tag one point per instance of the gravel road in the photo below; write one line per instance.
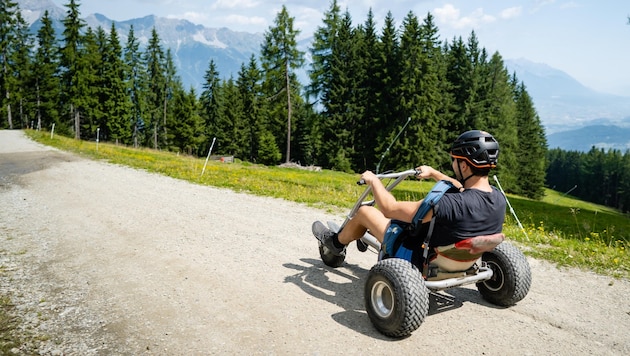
(102, 259)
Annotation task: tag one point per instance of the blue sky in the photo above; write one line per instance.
(587, 39)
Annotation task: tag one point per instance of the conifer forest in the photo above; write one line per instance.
(379, 97)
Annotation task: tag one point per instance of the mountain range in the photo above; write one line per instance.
(566, 107)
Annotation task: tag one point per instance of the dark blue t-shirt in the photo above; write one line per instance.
(466, 214)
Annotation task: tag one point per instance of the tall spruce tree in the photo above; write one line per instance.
(69, 64)
(136, 79)
(421, 98)
(497, 114)
(341, 113)
(370, 130)
(117, 104)
(155, 94)
(473, 105)
(459, 76)
(248, 82)
(45, 79)
(531, 147)
(101, 90)
(320, 73)
(387, 75)
(172, 83)
(22, 65)
(185, 132)
(89, 111)
(231, 123)
(211, 102)
(8, 23)
(321, 53)
(280, 58)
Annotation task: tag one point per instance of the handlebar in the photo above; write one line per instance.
(403, 174)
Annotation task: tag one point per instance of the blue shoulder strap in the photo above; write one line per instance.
(436, 193)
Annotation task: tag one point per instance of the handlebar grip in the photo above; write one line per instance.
(361, 182)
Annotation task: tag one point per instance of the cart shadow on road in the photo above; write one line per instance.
(339, 286)
(344, 286)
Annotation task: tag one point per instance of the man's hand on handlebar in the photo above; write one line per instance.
(425, 172)
(368, 177)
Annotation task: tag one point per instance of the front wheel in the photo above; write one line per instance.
(511, 276)
(396, 298)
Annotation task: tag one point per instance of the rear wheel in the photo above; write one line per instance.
(511, 276)
(396, 298)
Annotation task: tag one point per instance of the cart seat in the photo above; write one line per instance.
(461, 256)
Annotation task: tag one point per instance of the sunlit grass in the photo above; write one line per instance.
(559, 228)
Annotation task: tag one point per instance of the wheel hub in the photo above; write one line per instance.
(382, 299)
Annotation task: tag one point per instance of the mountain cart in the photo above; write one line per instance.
(397, 288)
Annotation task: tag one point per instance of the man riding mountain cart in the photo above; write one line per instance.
(450, 238)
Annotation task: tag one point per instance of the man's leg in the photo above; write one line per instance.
(367, 218)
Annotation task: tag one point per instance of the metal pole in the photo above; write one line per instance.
(511, 209)
(378, 166)
(207, 158)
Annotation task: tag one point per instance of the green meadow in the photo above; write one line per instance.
(559, 228)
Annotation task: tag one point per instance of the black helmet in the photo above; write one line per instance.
(478, 148)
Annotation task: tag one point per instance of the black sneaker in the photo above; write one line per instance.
(325, 237)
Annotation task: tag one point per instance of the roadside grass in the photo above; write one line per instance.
(9, 338)
(560, 229)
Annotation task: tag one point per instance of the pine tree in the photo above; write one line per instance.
(473, 104)
(22, 64)
(8, 23)
(321, 53)
(248, 82)
(211, 104)
(45, 80)
(320, 74)
(387, 75)
(231, 122)
(185, 132)
(88, 69)
(497, 114)
(69, 64)
(172, 83)
(458, 75)
(136, 86)
(531, 147)
(421, 98)
(99, 114)
(156, 87)
(341, 113)
(117, 104)
(370, 130)
(280, 58)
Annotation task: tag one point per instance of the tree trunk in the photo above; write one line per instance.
(164, 117)
(77, 125)
(39, 111)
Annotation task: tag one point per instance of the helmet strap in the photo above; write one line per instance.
(463, 180)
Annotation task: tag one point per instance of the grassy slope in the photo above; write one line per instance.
(559, 228)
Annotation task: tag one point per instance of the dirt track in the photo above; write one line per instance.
(106, 259)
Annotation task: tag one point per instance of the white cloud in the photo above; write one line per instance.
(511, 12)
(451, 16)
(539, 4)
(234, 4)
(194, 17)
(245, 20)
